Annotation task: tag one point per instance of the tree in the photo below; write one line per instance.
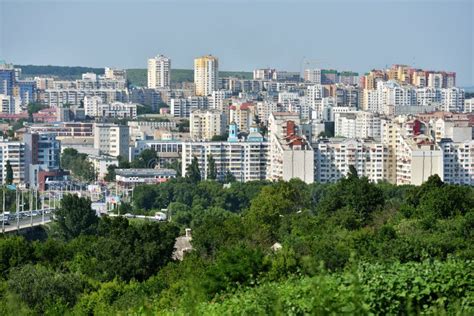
(110, 176)
(146, 159)
(9, 176)
(192, 171)
(211, 168)
(75, 217)
(43, 289)
(229, 177)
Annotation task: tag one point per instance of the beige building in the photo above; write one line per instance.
(418, 158)
(101, 164)
(205, 124)
(291, 156)
(206, 74)
(159, 72)
(243, 115)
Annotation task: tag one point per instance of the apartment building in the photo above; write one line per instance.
(167, 151)
(417, 158)
(245, 160)
(14, 153)
(263, 74)
(206, 75)
(458, 161)
(117, 110)
(312, 75)
(243, 115)
(334, 156)
(182, 107)
(357, 124)
(75, 97)
(159, 72)
(291, 155)
(205, 124)
(111, 139)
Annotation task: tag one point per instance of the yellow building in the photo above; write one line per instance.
(206, 73)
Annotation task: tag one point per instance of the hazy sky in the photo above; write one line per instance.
(346, 35)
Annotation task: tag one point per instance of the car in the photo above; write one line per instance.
(128, 215)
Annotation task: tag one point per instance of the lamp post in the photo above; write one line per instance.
(3, 213)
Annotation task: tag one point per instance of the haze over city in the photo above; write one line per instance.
(244, 34)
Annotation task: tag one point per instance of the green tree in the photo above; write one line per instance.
(146, 159)
(43, 289)
(211, 168)
(229, 177)
(9, 176)
(75, 217)
(110, 176)
(192, 171)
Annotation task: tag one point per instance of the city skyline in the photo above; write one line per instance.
(243, 36)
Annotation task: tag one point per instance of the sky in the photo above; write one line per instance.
(284, 34)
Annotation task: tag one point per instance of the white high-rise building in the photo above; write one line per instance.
(91, 105)
(111, 139)
(182, 107)
(245, 160)
(468, 105)
(458, 160)
(13, 152)
(334, 156)
(357, 124)
(452, 99)
(206, 75)
(159, 72)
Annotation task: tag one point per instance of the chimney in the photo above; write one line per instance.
(188, 233)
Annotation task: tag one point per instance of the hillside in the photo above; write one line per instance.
(137, 77)
(259, 248)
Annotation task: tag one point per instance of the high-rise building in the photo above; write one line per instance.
(205, 124)
(334, 156)
(246, 160)
(263, 74)
(291, 156)
(7, 79)
(206, 74)
(159, 72)
(12, 152)
(111, 139)
(312, 75)
(458, 160)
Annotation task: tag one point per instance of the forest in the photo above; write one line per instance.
(352, 247)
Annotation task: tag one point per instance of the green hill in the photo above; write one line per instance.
(137, 77)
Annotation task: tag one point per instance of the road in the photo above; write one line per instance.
(26, 222)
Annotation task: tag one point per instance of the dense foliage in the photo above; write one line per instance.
(78, 164)
(352, 247)
(63, 72)
(138, 77)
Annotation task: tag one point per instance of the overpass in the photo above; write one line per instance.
(26, 222)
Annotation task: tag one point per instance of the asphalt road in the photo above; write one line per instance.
(26, 222)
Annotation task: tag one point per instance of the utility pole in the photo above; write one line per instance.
(17, 202)
(31, 206)
(42, 209)
(3, 213)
